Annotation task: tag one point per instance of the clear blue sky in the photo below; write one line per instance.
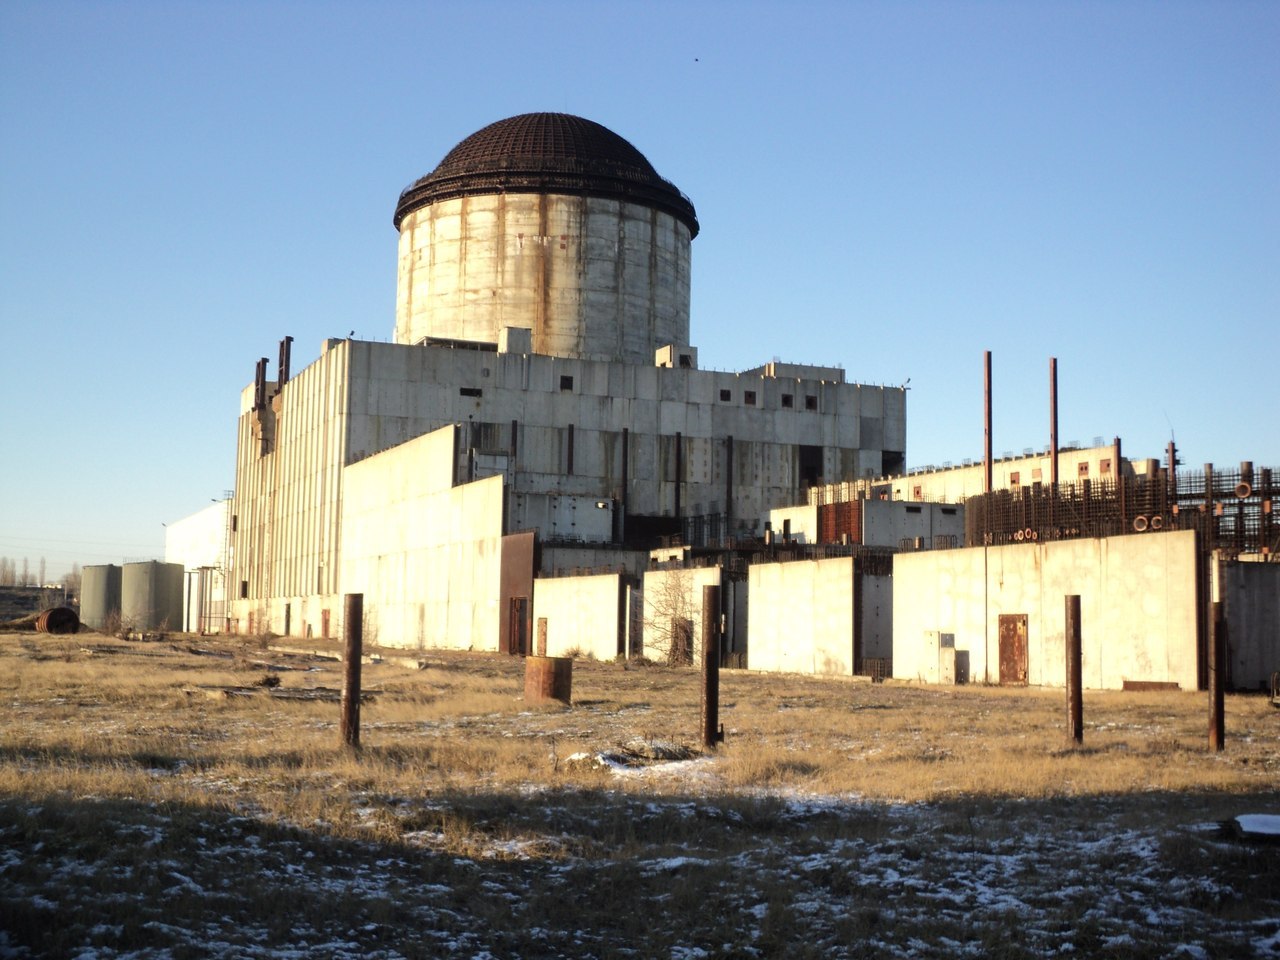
(890, 186)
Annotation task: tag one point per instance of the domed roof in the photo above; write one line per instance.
(547, 153)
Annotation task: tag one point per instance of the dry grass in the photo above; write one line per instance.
(457, 768)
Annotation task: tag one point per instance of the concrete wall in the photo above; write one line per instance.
(582, 615)
(595, 278)
(674, 595)
(425, 554)
(887, 523)
(875, 600)
(1137, 599)
(1251, 592)
(801, 618)
(199, 543)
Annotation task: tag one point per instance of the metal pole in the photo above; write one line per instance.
(986, 421)
(1217, 671)
(353, 627)
(1053, 443)
(711, 733)
(1075, 697)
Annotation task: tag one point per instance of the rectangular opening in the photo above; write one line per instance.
(244, 589)
(469, 391)
(788, 400)
(686, 360)
(749, 397)
(566, 382)
(949, 511)
(726, 396)
(810, 401)
(914, 509)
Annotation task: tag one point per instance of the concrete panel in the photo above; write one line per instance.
(801, 616)
(1137, 608)
(1251, 593)
(582, 615)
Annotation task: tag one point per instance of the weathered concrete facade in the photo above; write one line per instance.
(594, 278)
(1137, 603)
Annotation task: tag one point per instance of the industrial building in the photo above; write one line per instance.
(540, 409)
(537, 463)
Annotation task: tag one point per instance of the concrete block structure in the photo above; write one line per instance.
(541, 409)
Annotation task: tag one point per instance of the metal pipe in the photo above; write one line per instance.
(1053, 422)
(986, 421)
(711, 732)
(353, 628)
(1217, 669)
(1075, 696)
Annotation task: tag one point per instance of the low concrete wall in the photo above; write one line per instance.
(581, 613)
(801, 618)
(1137, 600)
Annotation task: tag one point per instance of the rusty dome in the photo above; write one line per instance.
(548, 153)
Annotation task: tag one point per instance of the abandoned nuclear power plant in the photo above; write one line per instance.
(538, 463)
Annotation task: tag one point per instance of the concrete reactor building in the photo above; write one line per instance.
(541, 409)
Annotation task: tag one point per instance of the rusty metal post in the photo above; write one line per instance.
(711, 733)
(1075, 696)
(1217, 672)
(1053, 444)
(353, 627)
(986, 421)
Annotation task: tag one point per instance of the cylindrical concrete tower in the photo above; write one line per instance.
(552, 223)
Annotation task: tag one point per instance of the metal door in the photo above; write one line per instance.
(1013, 649)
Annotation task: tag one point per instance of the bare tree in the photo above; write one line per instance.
(42, 573)
(668, 620)
(26, 573)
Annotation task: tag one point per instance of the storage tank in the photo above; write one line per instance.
(151, 595)
(100, 596)
(551, 223)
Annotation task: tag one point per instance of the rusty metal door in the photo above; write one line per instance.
(1013, 649)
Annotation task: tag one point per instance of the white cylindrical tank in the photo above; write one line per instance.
(552, 223)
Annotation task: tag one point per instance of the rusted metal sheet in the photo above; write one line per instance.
(840, 522)
(518, 564)
(1013, 649)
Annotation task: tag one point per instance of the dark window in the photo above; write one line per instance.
(749, 397)
(810, 458)
(686, 360)
(914, 509)
(810, 402)
(244, 589)
(788, 400)
(566, 382)
(235, 520)
(469, 391)
(949, 511)
(725, 395)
